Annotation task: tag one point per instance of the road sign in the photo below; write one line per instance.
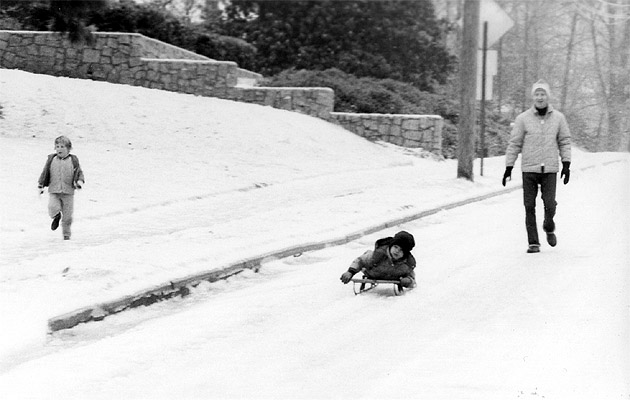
(498, 21)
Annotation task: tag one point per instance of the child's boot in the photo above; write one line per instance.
(55, 221)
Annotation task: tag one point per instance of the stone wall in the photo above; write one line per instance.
(424, 131)
(114, 57)
(317, 102)
(134, 59)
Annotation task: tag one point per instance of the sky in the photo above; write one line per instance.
(178, 185)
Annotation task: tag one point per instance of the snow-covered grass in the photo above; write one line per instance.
(179, 184)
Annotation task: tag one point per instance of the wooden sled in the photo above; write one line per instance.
(364, 285)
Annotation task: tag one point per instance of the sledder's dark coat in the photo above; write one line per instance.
(378, 264)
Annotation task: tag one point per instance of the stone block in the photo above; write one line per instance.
(384, 129)
(111, 43)
(398, 141)
(411, 124)
(43, 39)
(91, 56)
(134, 62)
(151, 75)
(395, 130)
(138, 73)
(118, 59)
(32, 50)
(71, 52)
(6, 59)
(17, 41)
(125, 77)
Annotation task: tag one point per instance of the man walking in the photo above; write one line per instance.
(541, 135)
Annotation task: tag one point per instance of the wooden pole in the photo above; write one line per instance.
(500, 77)
(482, 133)
(468, 90)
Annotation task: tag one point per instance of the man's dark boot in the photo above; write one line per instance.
(533, 248)
(551, 239)
(549, 227)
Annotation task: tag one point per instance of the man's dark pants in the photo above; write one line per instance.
(547, 182)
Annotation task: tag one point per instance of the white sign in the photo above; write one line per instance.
(498, 21)
(491, 71)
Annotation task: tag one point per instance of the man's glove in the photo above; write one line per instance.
(566, 173)
(346, 276)
(406, 282)
(79, 184)
(507, 175)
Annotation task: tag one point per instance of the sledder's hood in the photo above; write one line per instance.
(405, 240)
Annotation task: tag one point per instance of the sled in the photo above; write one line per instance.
(365, 284)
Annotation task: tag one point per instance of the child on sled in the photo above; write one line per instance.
(391, 259)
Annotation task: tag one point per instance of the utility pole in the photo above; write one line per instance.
(468, 90)
(482, 134)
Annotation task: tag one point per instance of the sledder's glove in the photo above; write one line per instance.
(406, 282)
(346, 276)
(507, 175)
(566, 173)
(40, 189)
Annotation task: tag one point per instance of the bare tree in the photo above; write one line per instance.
(567, 64)
(609, 26)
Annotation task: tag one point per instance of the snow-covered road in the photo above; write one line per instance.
(488, 321)
(179, 184)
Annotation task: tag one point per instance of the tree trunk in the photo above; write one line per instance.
(619, 77)
(567, 64)
(625, 73)
(526, 84)
(468, 90)
(603, 90)
(613, 93)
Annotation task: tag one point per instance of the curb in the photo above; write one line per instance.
(179, 287)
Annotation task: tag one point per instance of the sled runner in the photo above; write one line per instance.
(364, 285)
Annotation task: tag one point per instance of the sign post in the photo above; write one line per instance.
(493, 24)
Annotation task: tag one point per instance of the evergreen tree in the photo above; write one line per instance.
(400, 40)
(70, 17)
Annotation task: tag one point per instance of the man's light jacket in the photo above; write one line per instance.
(540, 140)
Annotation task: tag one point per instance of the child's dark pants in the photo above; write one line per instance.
(547, 182)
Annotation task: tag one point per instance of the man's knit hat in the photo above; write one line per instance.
(541, 84)
(404, 240)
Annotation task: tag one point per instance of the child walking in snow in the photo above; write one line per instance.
(391, 259)
(62, 174)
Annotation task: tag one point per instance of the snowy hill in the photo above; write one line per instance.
(178, 184)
